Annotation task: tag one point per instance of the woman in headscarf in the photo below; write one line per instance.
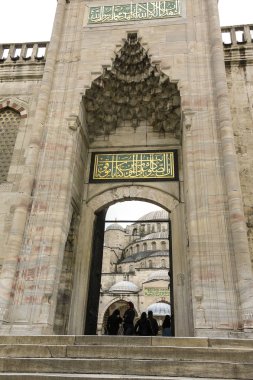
(128, 318)
(113, 323)
(166, 326)
(142, 326)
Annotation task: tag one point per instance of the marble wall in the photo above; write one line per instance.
(213, 274)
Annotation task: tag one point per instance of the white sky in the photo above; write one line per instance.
(129, 210)
(31, 20)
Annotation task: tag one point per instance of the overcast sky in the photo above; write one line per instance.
(31, 20)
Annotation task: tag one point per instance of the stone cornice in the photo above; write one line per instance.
(238, 44)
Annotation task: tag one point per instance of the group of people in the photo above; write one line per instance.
(146, 326)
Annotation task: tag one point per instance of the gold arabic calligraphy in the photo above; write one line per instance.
(157, 292)
(134, 12)
(148, 165)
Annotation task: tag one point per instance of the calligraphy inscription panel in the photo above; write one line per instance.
(156, 292)
(134, 166)
(134, 12)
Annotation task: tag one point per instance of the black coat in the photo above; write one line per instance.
(153, 325)
(142, 327)
(113, 323)
(129, 317)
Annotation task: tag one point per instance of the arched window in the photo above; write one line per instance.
(137, 248)
(150, 263)
(163, 263)
(131, 268)
(135, 232)
(120, 269)
(163, 245)
(153, 245)
(9, 122)
(142, 229)
(144, 246)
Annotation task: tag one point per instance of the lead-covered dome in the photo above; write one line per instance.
(115, 226)
(124, 287)
(159, 309)
(155, 215)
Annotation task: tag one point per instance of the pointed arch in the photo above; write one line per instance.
(15, 105)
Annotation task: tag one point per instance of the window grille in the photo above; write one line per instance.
(9, 122)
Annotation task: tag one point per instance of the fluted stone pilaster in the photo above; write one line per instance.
(26, 187)
(239, 246)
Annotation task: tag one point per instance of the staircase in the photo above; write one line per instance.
(122, 357)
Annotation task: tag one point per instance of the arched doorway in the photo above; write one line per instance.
(121, 266)
(93, 211)
(126, 271)
(119, 304)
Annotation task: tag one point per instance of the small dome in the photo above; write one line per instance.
(124, 287)
(158, 275)
(154, 215)
(115, 226)
(159, 309)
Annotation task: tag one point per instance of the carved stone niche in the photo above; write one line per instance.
(132, 91)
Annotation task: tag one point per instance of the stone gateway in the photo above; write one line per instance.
(148, 93)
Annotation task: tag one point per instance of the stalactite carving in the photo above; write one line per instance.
(132, 91)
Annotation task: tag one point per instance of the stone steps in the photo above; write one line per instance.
(135, 367)
(125, 340)
(168, 353)
(105, 357)
(59, 376)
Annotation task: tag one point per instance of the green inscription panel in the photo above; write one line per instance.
(156, 292)
(134, 12)
(134, 166)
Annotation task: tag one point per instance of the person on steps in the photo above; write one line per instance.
(153, 323)
(142, 326)
(128, 319)
(166, 326)
(113, 323)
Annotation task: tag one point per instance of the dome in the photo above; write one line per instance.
(124, 287)
(158, 275)
(155, 235)
(159, 309)
(155, 215)
(115, 226)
